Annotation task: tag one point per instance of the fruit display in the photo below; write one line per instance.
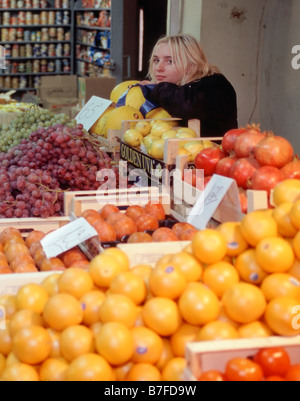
(132, 323)
(256, 160)
(269, 364)
(35, 173)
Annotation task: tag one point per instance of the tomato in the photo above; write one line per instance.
(208, 159)
(293, 374)
(230, 138)
(211, 376)
(243, 369)
(292, 169)
(224, 166)
(246, 143)
(266, 178)
(242, 171)
(274, 151)
(273, 361)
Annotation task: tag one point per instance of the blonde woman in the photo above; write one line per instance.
(188, 87)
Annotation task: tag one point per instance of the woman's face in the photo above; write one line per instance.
(164, 69)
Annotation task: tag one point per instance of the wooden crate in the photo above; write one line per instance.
(11, 283)
(214, 355)
(151, 253)
(78, 202)
(27, 225)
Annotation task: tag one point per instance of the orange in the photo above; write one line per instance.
(118, 308)
(20, 372)
(24, 318)
(34, 236)
(209, 246)
(164, 234)
(8, 234)
(5, 341)
(32, 345)
(55, 337)
(236, 243)
(115, 343)
(131, 285)
(248, 268)
(122, 371)
(104, 268)
(174, 370)
(143, 372)
(75, 341)
(282, 216)
(198, 304)
(138, 238)
(75, 281)
(283, 316)
(143, 271)
(275, 255)
(185, 334)
(90, 303)
(53, 370)
(51, 283)
(62, 311)
(219, 277)
(256, 329)
(277, 285)
(33, 297)
(217, 331)
(10, 305)
(2, 363)
(156, 210)
(189, 265)
(295, 270)
(89, 367)
(258, 225)
(148, 346)
(162, 316)
(223, 317)
(167, 280)
(244, 303)
(120, 256)
(295, 215)
(166, 356)
(296, 245)
(287, 191)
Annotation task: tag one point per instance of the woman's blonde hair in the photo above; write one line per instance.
(188, 56)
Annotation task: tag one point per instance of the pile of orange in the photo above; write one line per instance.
(113, 321)
(136, 223)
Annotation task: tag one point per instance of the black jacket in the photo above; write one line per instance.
(212, 100)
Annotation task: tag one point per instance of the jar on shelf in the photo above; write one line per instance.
(52, 33)
(20, 33)
(44, 66)
(7, 82)
(37, 50)
(28, 18)
(20, 4)
(51, 50)
(59, 50)
(15, 83)
(36, 66)
(6, 4)
(45, 34)
(66, 65)
(66, 18)
(51, 66)
(44, 18)
(1, 81)
(22, 51)
(7, 51)
(57, 66)
(4, 35)
(28, 50)
(33, 36)
(28, 4)
(38, 36)
(28, 67)
(67, 35)
(43, 4)
(14, 19)
(21, 18)
(60, 34)
(51, 17)
(44, 50)
(58, 18)
(36, 82)
(6, 18)
(67, 50)
(12, 35)
(36, 19)
(15, 51)
(27, 36)
(13, 3)
(21, 68)
(58, 4)
(65, 3)
(23, 82)
(36, 4)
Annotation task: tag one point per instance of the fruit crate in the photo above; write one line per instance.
(78, 202)
(26, 225)
(214, 355)
(111, 144)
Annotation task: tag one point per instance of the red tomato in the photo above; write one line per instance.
(273, 361)
(243, 369)
(242, 171)
(211, 376)
(293, 374)
(208, 159)
(266, 178)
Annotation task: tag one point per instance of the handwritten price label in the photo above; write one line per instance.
(94, 108)
(67, 237)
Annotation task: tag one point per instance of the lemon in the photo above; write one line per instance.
(184, 152)
(158, 129)
(156, 149)
(157, 114)
(133, 137)
(185, 135)
(143, 127)
(147, 141)
(169, 134)
(135, 98)
(120, 114)
(99, 128)
(120, 89)
(188, 131)
(194, 148)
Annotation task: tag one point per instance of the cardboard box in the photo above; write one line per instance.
(62, 106)
(58, 87)
(88, 87)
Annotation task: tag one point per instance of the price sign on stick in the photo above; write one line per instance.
(94, 108)
(67, 237)
(220, 200)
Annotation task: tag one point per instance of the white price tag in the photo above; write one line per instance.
(220, 196)
(90, 113)
(67, 237)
